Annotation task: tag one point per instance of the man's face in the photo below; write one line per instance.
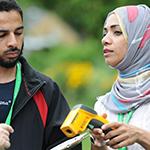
(11, 38)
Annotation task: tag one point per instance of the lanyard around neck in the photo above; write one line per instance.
(16, 91)
(120, 119)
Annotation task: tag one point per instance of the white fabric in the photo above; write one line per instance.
(140, 118)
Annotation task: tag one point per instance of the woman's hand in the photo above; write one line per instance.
(5, 131)
(123, 135)
(98, 134)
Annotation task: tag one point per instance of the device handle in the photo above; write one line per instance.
(94, 123)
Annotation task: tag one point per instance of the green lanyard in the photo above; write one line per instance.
(16, 90)
(120, 119)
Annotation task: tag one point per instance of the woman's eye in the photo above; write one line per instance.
(104, 34)
(2, 35)
(118, 32)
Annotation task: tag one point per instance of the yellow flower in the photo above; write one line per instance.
(79, 74)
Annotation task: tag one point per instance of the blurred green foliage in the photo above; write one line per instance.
(79, 70)
(86, 16)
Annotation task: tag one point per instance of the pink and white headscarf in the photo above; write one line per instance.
(132, 87)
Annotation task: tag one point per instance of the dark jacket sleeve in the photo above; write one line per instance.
(57, 112)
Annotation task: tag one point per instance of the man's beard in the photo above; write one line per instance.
(11, 63)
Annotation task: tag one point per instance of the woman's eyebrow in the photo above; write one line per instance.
(112, 26)
(115, 25)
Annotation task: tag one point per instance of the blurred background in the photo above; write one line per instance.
(63, 41)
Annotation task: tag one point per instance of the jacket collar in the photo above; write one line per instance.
(30, 76)
(30, 85)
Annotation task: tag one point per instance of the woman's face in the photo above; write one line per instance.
(115, 45)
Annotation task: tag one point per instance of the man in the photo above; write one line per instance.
(32, 108)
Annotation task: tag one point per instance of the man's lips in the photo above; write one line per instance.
(12, 54)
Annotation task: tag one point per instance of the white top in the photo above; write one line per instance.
(140, 118)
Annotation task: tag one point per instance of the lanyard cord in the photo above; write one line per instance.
(120, 119)
(16, 91)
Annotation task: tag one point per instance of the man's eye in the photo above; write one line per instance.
(18, 33)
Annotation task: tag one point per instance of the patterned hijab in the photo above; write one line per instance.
(132, 86)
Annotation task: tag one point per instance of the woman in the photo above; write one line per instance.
(126, 43)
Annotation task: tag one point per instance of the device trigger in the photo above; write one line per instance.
(90, 126)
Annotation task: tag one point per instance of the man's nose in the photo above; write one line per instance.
(12, 41)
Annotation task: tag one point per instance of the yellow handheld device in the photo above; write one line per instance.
(80, 118)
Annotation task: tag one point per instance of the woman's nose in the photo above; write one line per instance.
(106, 39)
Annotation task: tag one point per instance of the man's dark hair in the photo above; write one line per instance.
(8, 5)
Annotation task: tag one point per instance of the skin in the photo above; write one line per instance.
(98, 136)
(5, 131)
(11, 37)
(124, 134)
(115, 45)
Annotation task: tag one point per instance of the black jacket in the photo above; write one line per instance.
(32, 131)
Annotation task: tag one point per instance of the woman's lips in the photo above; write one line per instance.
(107, 52)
